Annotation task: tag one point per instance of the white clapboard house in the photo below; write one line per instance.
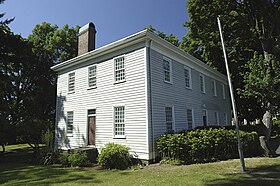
(133, 90)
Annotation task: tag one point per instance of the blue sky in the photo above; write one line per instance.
(113, 19)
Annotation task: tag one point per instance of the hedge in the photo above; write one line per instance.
(207, 145)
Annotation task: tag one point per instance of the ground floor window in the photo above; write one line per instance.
(204, 117)
(216, 115)
(70, 119)
(169, 119)
(119, 125)
(190, 119)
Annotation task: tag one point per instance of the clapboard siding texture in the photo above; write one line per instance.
(130, 94)
(181, 98)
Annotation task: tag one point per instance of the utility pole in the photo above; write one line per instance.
(240, 149)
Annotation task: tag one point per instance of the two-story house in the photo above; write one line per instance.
(133, 90)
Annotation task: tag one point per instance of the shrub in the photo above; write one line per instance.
(63, 159)
(115, 156)
(78, 158)
(48, 139)
(50, 157)
(206, 145)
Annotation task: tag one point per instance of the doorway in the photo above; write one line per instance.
(91, 126)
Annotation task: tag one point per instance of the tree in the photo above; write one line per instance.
(171, 38)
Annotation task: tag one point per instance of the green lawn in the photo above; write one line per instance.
(262, 171)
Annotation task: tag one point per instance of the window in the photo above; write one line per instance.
(190, 118)
(119, 128)
(71, 82)
(225, 118)
(92, 112)
(188, 81)
(223, 91)
(167, 70)
(216, 115)
(204, 117)
(70, 118)
(214, 88)
(92, 76)
(119, 69)
(169, 119)
(202, 83)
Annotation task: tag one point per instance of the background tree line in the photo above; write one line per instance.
(27, 84)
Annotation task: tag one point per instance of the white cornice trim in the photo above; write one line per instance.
(131, 40)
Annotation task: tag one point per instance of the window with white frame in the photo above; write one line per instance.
(188, 81)
(92, 76)
(167, 68)
(71, 82)
(216, 115)
(119, 66)
(223, 91)
(214, 88)
(202, 83)
(119, 125)
(225, 118)
(190, 118)
(169, 119)
(70, 119)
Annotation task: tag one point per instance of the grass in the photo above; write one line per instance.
(261, 171)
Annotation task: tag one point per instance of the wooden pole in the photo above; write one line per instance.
(240, 149)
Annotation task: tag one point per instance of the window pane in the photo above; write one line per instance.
(119, 121)
(119, 69)
(189, 119)
(71, 82)
(92, 76)
(70, 117)
(187, 77)
(169, 119)
(166, 68)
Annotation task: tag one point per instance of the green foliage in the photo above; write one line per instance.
(78, 158)
(48, 139)
(50, 157)
(171, 161)
(63, 159)
(115, 156)
(206, 145)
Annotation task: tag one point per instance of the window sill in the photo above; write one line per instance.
(71, 92)
(89, 88)
(190, 88)
(69, 135)
(203, 92)
(119, 137)
(118, 82)
(168, 82)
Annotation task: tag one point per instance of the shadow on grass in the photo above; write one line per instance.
(261, 175)
(24, 174)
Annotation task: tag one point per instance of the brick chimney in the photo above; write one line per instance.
(86, 38)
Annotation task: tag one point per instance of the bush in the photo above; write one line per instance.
(78, 158)
(206, 145)
(50, 157)
(115, 156)
(63, 159)
(48, 139)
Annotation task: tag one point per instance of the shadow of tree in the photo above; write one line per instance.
(23, 174)
(261, 175)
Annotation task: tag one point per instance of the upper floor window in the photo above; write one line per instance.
(119, 125)
(169, 119)
(214, 88)
(70, 119)
(71, 82)
(92, 76)
(223, 91)
(202, 83)
(188, 81)
(119, 69)
(167, 68)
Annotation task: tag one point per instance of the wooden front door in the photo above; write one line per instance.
(91, 130)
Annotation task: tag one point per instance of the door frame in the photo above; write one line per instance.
(87, 137)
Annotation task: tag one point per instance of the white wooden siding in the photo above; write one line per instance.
(130, 94)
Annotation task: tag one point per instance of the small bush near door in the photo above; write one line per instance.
(115, 156)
